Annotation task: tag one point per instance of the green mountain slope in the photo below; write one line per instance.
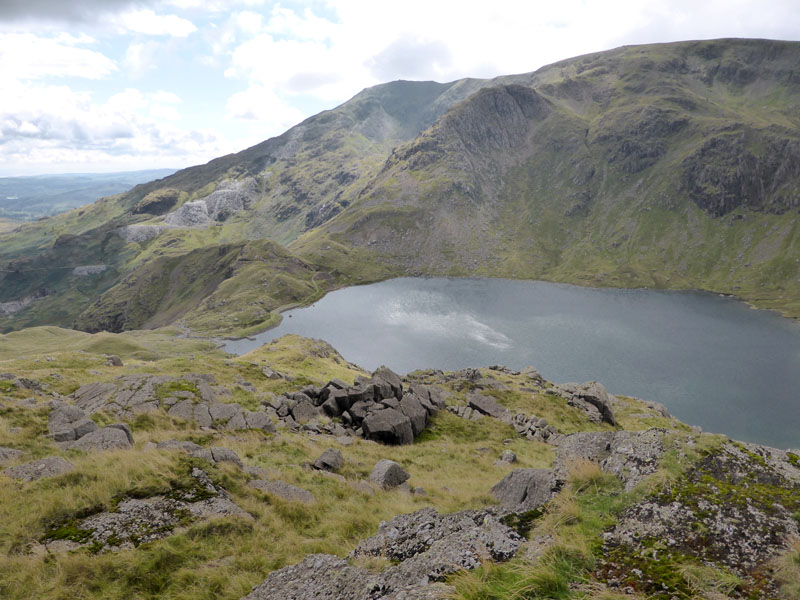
(674, 165)
(669, 165)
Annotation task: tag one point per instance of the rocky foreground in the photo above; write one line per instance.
(289, 473)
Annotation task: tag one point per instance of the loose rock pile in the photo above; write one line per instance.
(72, 429)
(376, 408)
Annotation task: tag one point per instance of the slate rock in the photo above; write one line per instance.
(388, 474)
(285, 490)
(386, 374)
(330, 460)
(388, 426)
(525, 489)
(9, 454)
(486, 405)
(411, 407)
(316, 577)
(107, 438)
(39, 469)
(305, 411)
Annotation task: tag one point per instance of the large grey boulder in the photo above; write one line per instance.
(107, 438)
(316, 577)
(389, 426)
(388, 474)
(217, 455)
(284, 490)
(526, 489)
(330, 460)
(39, 469)
(386, 374)
(411, 406)
(486, 405)
(305, 411)
(593, 395)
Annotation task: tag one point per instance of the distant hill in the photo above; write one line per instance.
(667, 165)
(29, 198)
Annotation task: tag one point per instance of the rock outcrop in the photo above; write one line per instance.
(40, 469)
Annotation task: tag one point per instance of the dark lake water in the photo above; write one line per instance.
(712, 361)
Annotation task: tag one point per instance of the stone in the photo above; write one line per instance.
(388, 426)
(216, 454)
(316, 577)
(595, 394)
(411, 407)
(9, 454)
(182, 410)
(107, 438)
(39, 469)
(388, 474)
(114, 360)
(386, 374)
(270, 373)
(486, 405)
(508, 456)
(284, 490)
(224, 412)
(259, 420)
(202, 415)
(305, 411)
(126, 429)
(525, 489)
(330, 460)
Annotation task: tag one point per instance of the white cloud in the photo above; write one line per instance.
(261, 103)
(25, 56)
(129, 130)
(146, 21)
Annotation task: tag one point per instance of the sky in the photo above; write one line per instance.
(116, 85)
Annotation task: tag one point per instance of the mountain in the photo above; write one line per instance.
(668, 165)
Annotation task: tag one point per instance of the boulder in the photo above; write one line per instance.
(259, 420)
(39, 469)
(126, 429)
(595, 394)
(107, 438)
(411, 407)
(386, 374)
(304, 411)
(525, 489)
(330, 460)
(284, 490)
(216, 454)
(389, 426)
(486, 405)
(388, 474)
(316, 577)
(114, 360)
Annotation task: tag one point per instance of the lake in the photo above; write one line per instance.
(711, 360)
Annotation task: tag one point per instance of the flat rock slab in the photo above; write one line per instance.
(486, 405)
(285, 490)
(9, 454)
(39, 469)
(107, 438)
(526, 489)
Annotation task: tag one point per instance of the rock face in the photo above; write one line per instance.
(734, 507)
(131, 395)
(229, 198)
(140, 520)
(486, 405)
(39, 469)
(426, 545)
(590, 397)
(526, 489)
(388, 474)
(377, 407)
(630, 455)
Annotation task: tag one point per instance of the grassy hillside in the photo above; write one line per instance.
(672, 165)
